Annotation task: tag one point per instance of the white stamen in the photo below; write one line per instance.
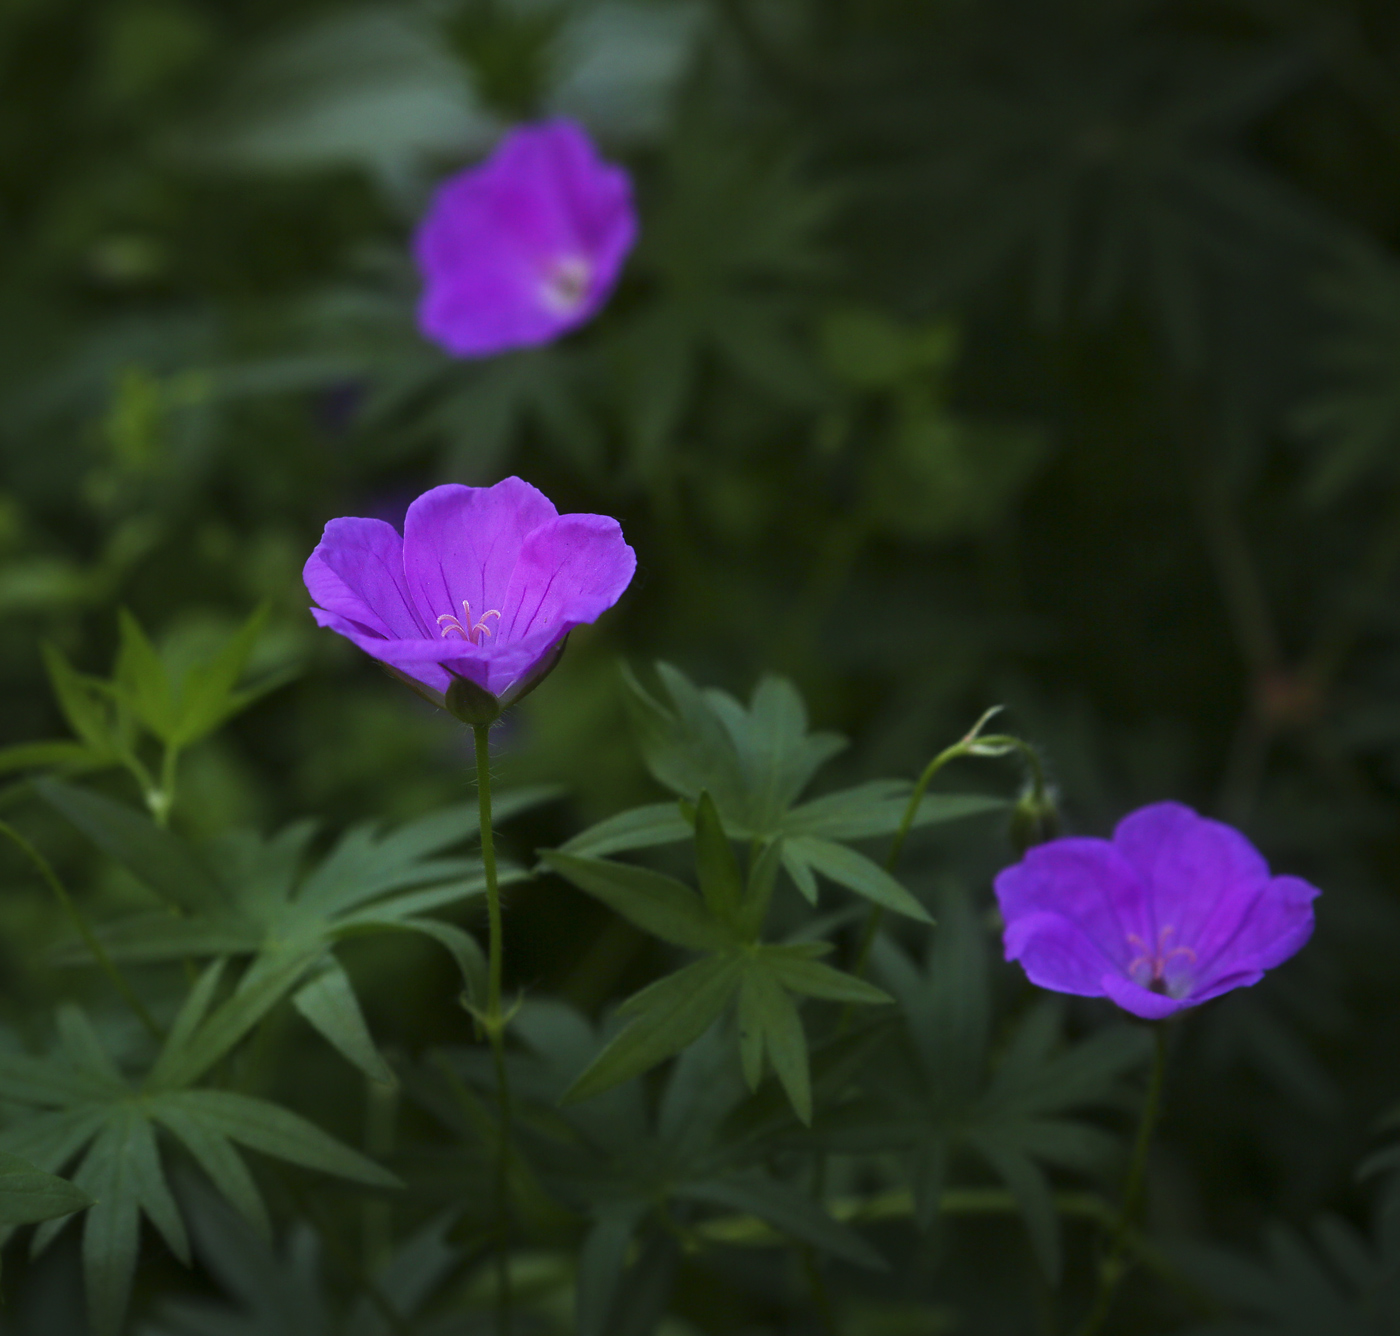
(565, 284)
(469, 631)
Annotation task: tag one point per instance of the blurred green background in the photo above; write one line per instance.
(1034, 352)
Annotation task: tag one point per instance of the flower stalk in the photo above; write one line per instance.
(493, 1020)
(973, 743)
(1115, 1264)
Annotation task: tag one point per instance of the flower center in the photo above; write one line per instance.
(1150, 968)
(465, 627)
(565, 284)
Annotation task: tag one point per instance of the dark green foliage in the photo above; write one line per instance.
(1041, 353)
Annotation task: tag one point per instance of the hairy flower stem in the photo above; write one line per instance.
(75, 916)
(494, 1022)
(1115, 1265)
(974, 743)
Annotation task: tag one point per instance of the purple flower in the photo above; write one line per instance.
(482, 588)
(527, 245)
(1174, 910)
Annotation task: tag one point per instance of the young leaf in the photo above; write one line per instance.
(141, 681)
(657, 904)
(207, 695)
(668, 1015)
(86, 704)
(777, 753)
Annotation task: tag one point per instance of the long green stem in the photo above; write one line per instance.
(1115, 1264)
(75, 916)
(494, 1023)
(973, 744)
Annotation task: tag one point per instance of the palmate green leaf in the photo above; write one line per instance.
(194, 1046)
(797, 971)
(92, 1105)
(140, 679)
(287, 1290)
(267, 1127)
(87, 704)
(249, 895)
(753, 762)
(687, 748)
(208, 695)
(28, 1195)
(777, 754)
(213, 1152)
(1018, 1112)
(667, 1015)
(657, 904)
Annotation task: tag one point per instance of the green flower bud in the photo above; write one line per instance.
(1034, 819)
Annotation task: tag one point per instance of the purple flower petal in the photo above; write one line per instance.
(1277, 927)
(460, 544)
(485, 584)
(570, 570)
(1178, 909)
(525, 246)
(1056, 953)
(1139, 1000)
(356, 572)
(1203, 877)
(1088, 883)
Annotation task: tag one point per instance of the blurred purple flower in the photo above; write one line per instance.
(483, 587)
(526, 245)
(1172, 912)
